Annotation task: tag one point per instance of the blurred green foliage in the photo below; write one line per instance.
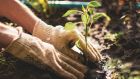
(38, 5)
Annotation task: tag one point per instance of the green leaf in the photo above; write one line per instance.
(94, 4)
(91, 11)
(69, 26)
(77, 43)
(85, 18)
(69, 12)
(83, 9)
(97, 16)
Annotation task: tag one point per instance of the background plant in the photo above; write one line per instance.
(39, 7)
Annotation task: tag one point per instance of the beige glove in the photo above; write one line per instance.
(41, 54)
(61, 39)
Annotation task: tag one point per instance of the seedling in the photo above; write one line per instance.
(88, 17)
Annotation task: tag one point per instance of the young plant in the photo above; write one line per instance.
(88, 16)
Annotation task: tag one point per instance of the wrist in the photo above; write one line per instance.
(42, 30)
(7, 35)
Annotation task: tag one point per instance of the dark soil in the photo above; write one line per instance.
(121, 55)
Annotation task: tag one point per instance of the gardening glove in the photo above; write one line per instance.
(62, 40)
(32, 50)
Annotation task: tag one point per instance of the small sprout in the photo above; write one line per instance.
(94, 4)
(69, 26)
(85, 18)
(114, 37)
(88, 16)
(97, 16)
(69, 12)
(83, 9)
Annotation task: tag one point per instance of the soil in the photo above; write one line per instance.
(121, 54)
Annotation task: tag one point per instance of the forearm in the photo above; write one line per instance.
(19, 13)
(7, 35)
(1, 48)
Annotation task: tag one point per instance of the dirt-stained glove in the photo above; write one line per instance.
(62, 40)
(32, 50)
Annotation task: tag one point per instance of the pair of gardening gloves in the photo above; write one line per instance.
(53, 50)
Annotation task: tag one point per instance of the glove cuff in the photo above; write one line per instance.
(23, 48)
(42, 30)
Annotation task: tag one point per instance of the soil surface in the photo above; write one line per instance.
(118, 43)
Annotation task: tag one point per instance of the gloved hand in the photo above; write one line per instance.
(62, 40)
(32, 50)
